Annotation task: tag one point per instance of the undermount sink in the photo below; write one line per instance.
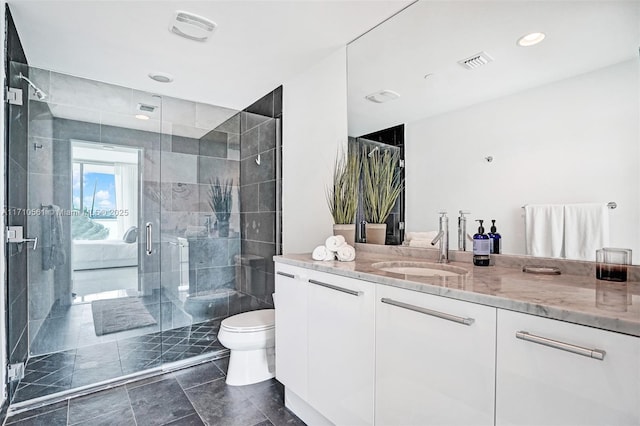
(420, 269)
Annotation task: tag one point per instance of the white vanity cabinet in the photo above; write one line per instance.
(291, 328)
(435, 360)
(325, 345)
(550, 372)
(341, 335)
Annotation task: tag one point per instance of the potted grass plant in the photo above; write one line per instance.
(220, 199)
(382, 183)
(342, 195)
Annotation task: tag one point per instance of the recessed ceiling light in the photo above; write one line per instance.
(142, 117)
(161, 77)
(531, 39)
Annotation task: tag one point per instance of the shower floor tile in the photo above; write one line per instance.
(193, 396)
(60, 371)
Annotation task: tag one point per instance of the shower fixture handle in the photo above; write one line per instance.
(149, 250)
(33, 240)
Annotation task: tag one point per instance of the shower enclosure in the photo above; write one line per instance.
(155, 218)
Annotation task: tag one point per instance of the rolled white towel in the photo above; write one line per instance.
(346, 253)
(334, 242)
(331, 255)
(319, 253)
(425, 235)
(322, 253)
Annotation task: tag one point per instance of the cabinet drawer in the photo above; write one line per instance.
(563, 373)
(435, 360)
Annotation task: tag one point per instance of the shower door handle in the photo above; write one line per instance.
(149, 239)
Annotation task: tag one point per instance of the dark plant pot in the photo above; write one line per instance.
(223, 228)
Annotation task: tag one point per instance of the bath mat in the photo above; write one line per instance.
(113, 315)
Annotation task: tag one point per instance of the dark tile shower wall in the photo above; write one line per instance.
(260, 208)
(42, 190)
(211, 255)
(16, 125)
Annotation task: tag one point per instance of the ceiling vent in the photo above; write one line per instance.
(146, 108)
(382, 96)
(476, 61)
(191, 26)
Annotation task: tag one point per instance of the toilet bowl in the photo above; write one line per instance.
(250, 337)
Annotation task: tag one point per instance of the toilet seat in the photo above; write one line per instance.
(249, 322)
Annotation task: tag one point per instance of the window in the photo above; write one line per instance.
(94, 189)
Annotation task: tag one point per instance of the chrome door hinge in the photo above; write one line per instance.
(400, 225)
(15, 372)
(13, 96)
(402, 163)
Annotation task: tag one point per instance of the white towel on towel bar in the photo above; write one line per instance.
(544, 229)
(586, 228)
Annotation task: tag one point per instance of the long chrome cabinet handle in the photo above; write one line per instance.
(335, 287)
(449, 317)
(591, 353)
(284, 274)
(149, 239)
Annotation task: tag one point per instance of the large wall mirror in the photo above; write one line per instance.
(492, 126)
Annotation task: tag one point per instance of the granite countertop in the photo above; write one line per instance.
(579, 299)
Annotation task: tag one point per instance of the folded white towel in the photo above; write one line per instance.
(423, 236)
(346, 253)
(544, 229)
(334, 242)
(322, 253)
(586, 228)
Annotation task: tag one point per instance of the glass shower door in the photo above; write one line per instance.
(87, 165)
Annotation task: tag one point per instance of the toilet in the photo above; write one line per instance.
(250, 337)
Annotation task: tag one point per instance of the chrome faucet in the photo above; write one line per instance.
(443, 238)
(462, 230)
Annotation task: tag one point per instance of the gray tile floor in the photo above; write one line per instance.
(60, 371)
(193, 396)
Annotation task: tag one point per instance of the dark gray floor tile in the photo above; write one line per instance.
(222, 364)
(37, 411)
(94, 372)
(159, 403)
(268, 396)
(149, 380)
(97, 404)
(265, 423)
(121, 417)
(51, 418)
(219, 404)
(31, 391)
(192, 420)
(194, 376)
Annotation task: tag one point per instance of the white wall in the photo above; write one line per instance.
(3, 331)
(576, 140)
(314, 126)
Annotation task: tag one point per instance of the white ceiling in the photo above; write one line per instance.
(432, 36)
(257, 46)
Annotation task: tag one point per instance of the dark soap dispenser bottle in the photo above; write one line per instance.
(496, 238)
(481, 247)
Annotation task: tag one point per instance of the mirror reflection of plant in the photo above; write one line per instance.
(220, 198)
(382, 183)
(342, 196)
